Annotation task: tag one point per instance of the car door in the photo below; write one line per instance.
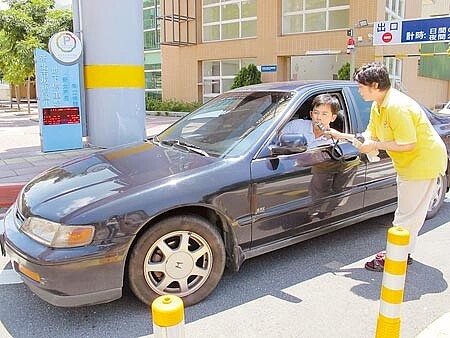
(299, 193)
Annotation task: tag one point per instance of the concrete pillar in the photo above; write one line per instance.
(112, 32)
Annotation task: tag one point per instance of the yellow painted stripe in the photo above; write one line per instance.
(394, 267)
(128, 151)
(398, 236)
(387, 327)
(391, 296)
(114, 76)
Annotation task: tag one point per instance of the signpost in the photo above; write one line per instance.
(411, 31)
(58, 88)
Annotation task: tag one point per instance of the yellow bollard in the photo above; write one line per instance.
(168, 317)
(395, 263)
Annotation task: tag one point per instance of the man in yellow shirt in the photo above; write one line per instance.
(400, 127)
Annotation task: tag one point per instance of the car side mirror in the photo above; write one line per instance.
(344, 152)
(289, 144)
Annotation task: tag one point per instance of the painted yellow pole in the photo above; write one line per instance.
(168, 317)
(113, 71)
(392, 288)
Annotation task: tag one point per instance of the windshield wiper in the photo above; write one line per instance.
(190, 147)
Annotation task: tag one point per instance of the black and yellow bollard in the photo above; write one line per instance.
(395, 263)
(168, 317)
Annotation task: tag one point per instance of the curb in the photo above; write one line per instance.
(8, 193)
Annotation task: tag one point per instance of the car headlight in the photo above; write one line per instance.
(57, 235)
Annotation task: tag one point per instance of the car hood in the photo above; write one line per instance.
(72, 185)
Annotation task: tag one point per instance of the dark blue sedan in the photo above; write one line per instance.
(219, 186)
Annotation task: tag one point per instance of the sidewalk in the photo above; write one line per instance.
(21, 157)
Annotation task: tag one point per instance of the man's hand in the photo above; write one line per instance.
(368, 146)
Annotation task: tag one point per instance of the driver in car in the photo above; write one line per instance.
(325, 108)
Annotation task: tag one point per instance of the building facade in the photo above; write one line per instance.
(152, 49)
(204, 43)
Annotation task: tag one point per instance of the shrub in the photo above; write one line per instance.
(155, 104)
(344, 72)
(247, 76)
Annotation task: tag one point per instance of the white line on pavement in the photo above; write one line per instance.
(9, 276)
(3, 331)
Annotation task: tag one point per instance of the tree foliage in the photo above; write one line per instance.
(25, 26)
(247, 76)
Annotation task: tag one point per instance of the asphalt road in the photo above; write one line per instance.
(318, 288)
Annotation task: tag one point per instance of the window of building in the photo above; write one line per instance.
(228, 19)
(152, 71)
(394, 67)
(151, 25)
(395, 10)
(314, 15)
(152, 49)
(218, 75)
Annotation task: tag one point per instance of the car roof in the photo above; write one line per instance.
(289, 86)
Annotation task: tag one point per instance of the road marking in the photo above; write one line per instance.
(3, 331)
(9, 276)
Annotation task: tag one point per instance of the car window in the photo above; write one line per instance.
(229, 124)
(303, 112)
(363, 107)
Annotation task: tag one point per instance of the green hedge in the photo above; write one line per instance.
(153, 104)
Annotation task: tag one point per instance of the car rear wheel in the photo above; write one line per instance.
(180, 255)
(438, 196)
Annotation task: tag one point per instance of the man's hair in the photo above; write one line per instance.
(373, 73)
(328, 99)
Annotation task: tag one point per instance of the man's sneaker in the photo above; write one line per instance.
(377, 264)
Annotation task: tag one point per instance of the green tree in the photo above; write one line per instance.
(247, 76)
(25, 26)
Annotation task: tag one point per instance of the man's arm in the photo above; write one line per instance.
(370, 145)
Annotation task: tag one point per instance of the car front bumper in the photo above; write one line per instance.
(66, 277)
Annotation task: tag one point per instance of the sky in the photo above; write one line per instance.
(67, 4)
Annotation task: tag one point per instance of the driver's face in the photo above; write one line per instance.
(322, 114)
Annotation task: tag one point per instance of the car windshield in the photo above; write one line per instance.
(228, 125)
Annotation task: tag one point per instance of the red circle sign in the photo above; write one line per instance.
(387, 37)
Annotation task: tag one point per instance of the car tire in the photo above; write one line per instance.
(438, 196)
(180, 255)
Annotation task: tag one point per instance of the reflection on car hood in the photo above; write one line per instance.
(82, 181)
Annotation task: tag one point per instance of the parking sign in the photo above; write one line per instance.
(411, 31)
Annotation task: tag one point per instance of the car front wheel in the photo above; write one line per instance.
(438, 196)
(180, 255)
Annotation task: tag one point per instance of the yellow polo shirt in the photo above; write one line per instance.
(400, 119)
